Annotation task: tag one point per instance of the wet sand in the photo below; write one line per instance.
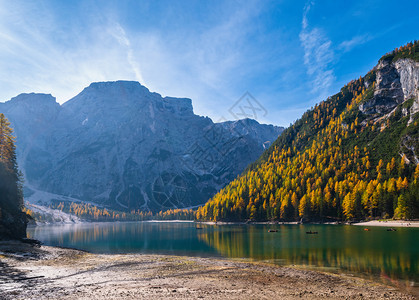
(54, 273)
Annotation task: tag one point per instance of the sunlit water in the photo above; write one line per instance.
(391, 257)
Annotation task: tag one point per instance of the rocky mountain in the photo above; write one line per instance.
(118, 145)
(354, 156)
(395, 82)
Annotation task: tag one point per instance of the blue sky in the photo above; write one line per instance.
(288, 54)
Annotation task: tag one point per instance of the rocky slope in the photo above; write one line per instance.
(396, 82)
(396, 86)
(117, 144)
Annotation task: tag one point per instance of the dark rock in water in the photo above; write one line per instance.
(31, 242)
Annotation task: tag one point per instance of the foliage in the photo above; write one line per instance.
(335, 163)
(12, 220)
(411, 50)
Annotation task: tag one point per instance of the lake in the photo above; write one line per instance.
(391, 257)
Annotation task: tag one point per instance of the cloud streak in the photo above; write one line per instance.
(318, 54)
(356, 41)
(120, 35)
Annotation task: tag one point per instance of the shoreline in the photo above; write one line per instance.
(375, 223)
(389, 223)
(381, 223)
(61, 273)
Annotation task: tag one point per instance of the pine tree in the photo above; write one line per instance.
(401, 211)
(12, 219)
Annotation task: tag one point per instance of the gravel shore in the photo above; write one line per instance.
(29, 272)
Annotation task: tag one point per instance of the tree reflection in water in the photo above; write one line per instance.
(391, 256)
(348, 248)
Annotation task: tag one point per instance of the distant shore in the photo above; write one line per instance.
(378, 223)
(56, 273)
(389, 223)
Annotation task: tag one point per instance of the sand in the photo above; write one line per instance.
(389, 223)
(55, 273)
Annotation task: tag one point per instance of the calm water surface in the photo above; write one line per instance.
(391, 257)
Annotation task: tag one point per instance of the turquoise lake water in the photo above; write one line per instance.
(388, 256)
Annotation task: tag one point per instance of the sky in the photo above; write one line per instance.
(279, 57)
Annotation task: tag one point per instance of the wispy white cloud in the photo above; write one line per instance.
(120, 35)
(358, 40)
(199, 65)
(318, 54)
(306, 9)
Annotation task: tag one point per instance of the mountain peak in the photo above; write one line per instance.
(120, 145)
(120, 88)
(33, 98)
(117, 83)
(113, 94)
(31, 102)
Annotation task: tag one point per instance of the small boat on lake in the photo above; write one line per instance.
(366, 229)
(391, 229)
(273, 230)
(311, 232)
(198, 227)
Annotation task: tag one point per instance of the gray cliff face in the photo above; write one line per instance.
(117, 144)
(409, 80)
(251, 128)
(396, 82)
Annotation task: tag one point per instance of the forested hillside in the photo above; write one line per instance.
(12, 219)
(353, 156)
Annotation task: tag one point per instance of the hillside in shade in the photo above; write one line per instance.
(353, 156)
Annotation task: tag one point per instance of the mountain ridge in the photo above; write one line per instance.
(118, 145)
